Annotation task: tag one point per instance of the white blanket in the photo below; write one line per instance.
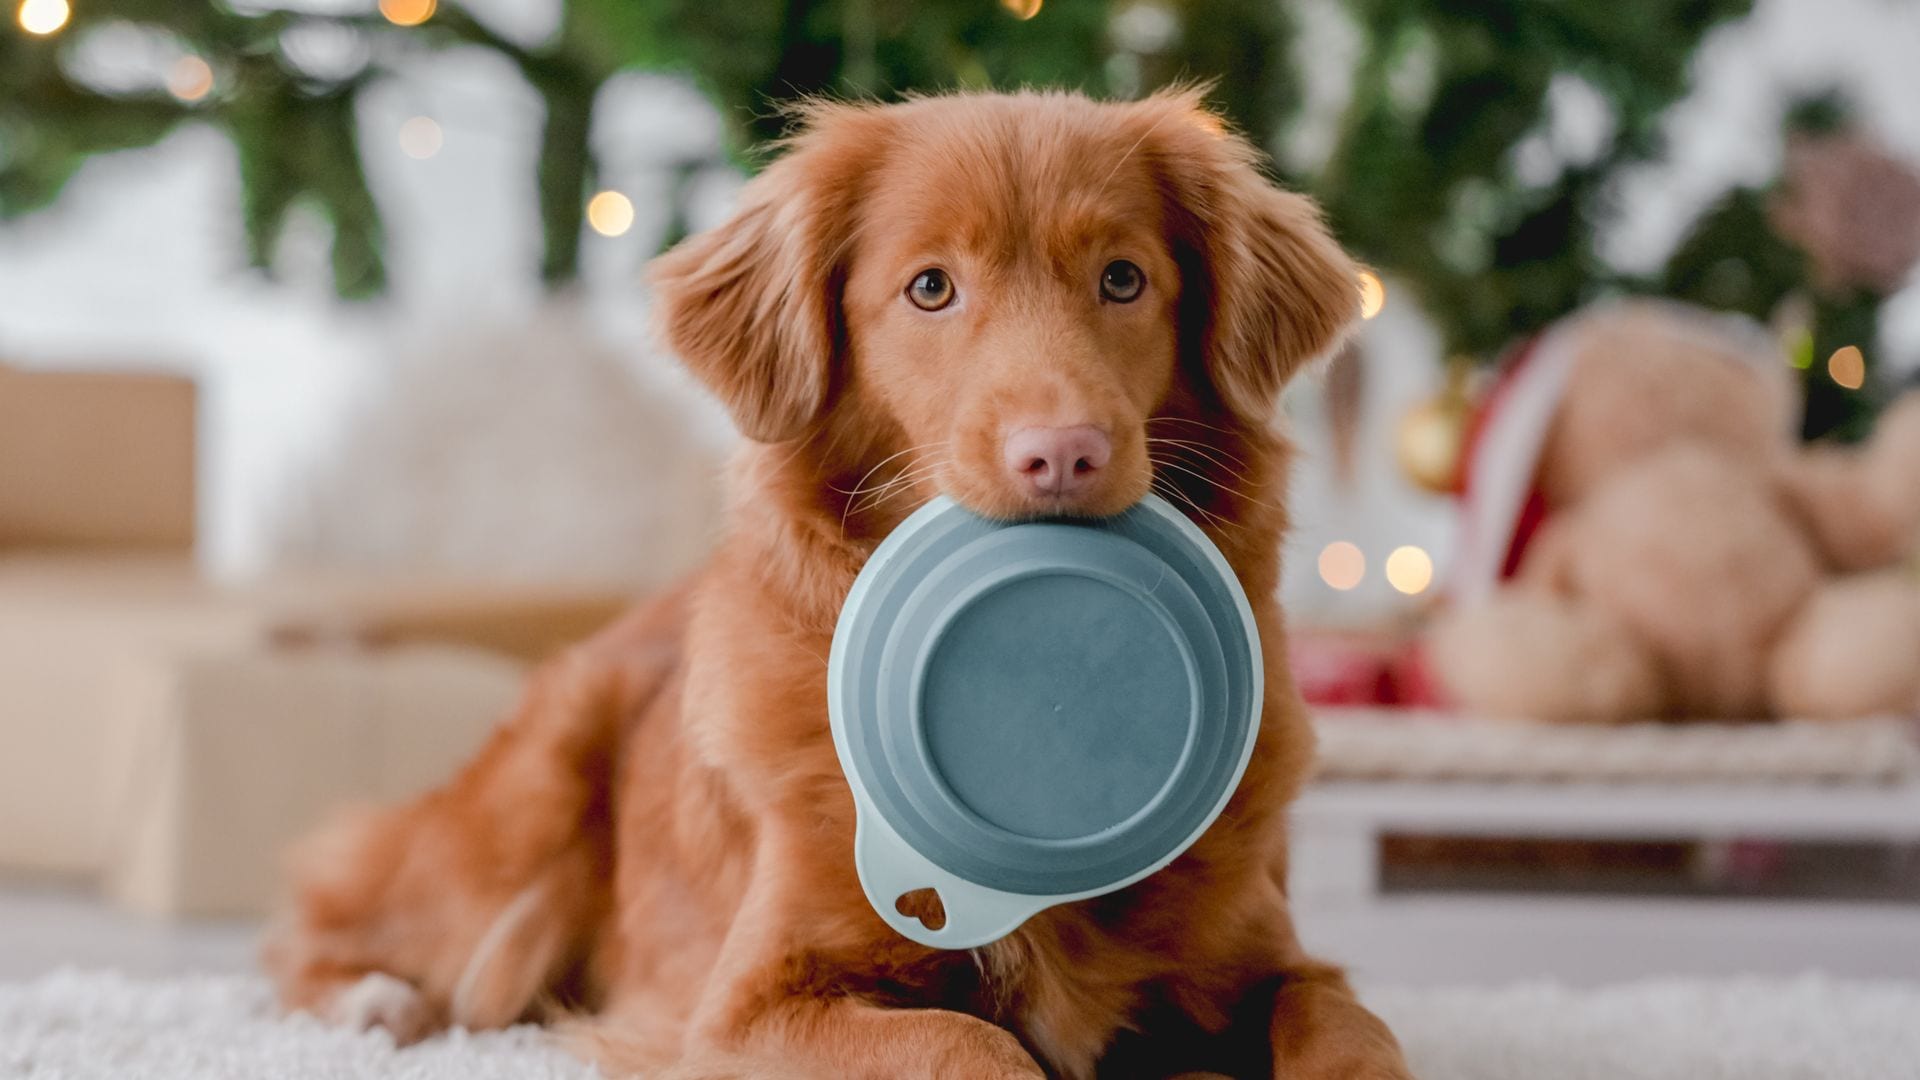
(74, 1025)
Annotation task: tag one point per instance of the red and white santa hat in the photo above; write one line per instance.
(1501, 506)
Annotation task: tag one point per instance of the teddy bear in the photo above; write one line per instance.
(1647, 537)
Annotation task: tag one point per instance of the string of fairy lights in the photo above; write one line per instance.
(1343, 567)
(1847, 367)
(190, 79)
(1343, 564)
(44, 18)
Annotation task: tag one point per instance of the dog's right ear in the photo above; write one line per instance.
(753, 306)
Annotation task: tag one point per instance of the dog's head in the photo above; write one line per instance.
(1001, 291)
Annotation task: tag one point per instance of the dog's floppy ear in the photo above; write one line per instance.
(1264, 282)
(753, 306)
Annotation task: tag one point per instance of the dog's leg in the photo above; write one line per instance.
(775, 998)
(848, 1039)
(1320, 1031)
(777, 1032)
(468, 903)
(1290, 1008)
(462, 906)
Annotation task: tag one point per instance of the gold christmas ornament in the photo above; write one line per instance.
(1433, 435)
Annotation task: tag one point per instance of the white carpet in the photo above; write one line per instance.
(88, 1025)
(1756, 1029)
(74, 1025)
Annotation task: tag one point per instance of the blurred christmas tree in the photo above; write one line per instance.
(1470, 158)
(1817, 252)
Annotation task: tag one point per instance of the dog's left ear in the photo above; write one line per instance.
(1264, 282)
(752, 306)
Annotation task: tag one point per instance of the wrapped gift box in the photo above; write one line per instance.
(96, 459)
(217, 761)
(69, 627)
(166, 735)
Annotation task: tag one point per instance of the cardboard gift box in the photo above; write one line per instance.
(93, 459)
(97, 524)
(166, 733)
(216, 762)
(68, 626)
(168, 736)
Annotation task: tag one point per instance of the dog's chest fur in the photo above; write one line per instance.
(1067, 1011)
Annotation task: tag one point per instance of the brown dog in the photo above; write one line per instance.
(1038, 305)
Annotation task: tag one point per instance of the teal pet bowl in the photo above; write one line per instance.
(1037, 712)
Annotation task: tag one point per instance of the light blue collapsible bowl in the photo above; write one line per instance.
(1037, 712)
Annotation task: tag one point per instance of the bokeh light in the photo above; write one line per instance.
(420, 137)
(1847, 367)
(190, 78)
(45, 17)
(1410, 570)
(1373, 294)
(1343, 566)
(407, 12)
(1022, 9)
(610, 213)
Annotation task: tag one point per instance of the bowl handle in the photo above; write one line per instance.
(976, 915)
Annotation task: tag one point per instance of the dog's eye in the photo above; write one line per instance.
(1121, 281)
(931, 290)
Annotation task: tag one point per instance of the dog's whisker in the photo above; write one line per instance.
(912, 472)
(907, 480)
(866, 501)
(911, 478)
(881, 502)
(1195, 423)
(1215, 451)
(859, 485)
(1203, 451)
(1241, 490)
(881, 494)
(1195, 471)
(858, 498)
(1173, 466)
(854, 498)
(1226, 489)
(1166, 483)
(1172, 491)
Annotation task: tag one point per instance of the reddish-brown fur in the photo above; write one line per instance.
(664, 823)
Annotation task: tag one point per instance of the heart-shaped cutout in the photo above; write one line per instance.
(924, 905)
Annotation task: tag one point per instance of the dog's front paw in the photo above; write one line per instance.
(379, 1000)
